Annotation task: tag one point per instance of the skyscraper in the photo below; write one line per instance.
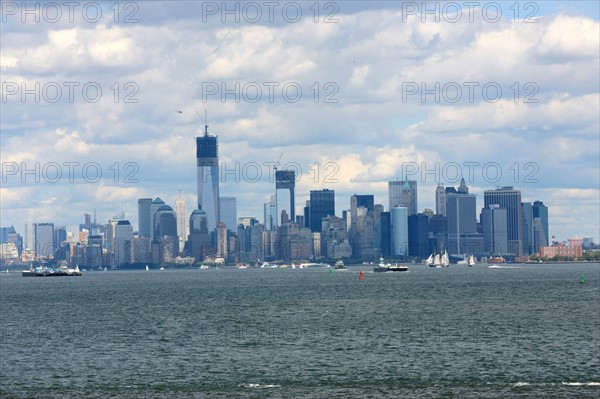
(286, 180)
(44, 240)
(270, 214)
(418, 235)
(228, 209)
(199, 243)
(494, 230)
(181, 221)
(399, 222)
(509, 199)
(144, 225)
(362, 227)
(123, 242)
(403, 193)
(440, 200)
(322, 204)
(527, 228)
(541, 211)
(208, 177)
(461, 212)
(156, 204)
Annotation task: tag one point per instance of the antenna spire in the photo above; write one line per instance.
(205, 123)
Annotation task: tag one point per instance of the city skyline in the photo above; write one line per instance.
(372, 132)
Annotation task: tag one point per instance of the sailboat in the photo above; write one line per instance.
(471, 261)
(435, 262)
(445, 261)
(147, 268)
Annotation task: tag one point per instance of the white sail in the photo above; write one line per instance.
(445, 259)
(429, 260)
(436, 260)
(471, 260)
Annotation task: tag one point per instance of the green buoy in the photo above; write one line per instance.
(582, 279)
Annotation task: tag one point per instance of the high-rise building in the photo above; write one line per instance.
(222, 251)
(29, 236)
(228, 210)
(362, 227)
(144, 225)
(199, 242)
(541, 211)
(156, 204)
(322, 204)
(509, 199)
(386, 235)
(403, 193)
(418, 236)
(165, 225)
(440, 200)
(44, 240)
(207, 159)
(461, 211)
(181, 214)
(527, 228)
(285, 180)
(123, 242)
(399, 224)
(494, 230)
(270, 214)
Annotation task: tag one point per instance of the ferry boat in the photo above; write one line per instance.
(496, 259)
(339, 265)
(47, 271)
(387, 267)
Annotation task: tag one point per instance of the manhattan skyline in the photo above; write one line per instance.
(369, 62)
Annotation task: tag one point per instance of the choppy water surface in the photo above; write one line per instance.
(519, 330)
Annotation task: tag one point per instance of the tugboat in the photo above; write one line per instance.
(339, 265)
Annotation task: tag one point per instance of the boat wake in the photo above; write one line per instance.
(504, 267)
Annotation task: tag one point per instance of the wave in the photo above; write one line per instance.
(260, 386)
(579, 384)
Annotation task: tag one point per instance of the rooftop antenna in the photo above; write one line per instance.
(179, 193)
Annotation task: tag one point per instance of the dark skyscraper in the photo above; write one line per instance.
(208, 177)
(541, 211)
(527, 228)
(286, 180)
(144, 224)
(386, 235)
(493, 226)
(418, 235)
(509, 199)
(322, 204)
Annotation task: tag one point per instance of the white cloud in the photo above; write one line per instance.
(368, 133)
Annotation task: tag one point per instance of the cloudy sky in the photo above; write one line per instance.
(353, 94)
